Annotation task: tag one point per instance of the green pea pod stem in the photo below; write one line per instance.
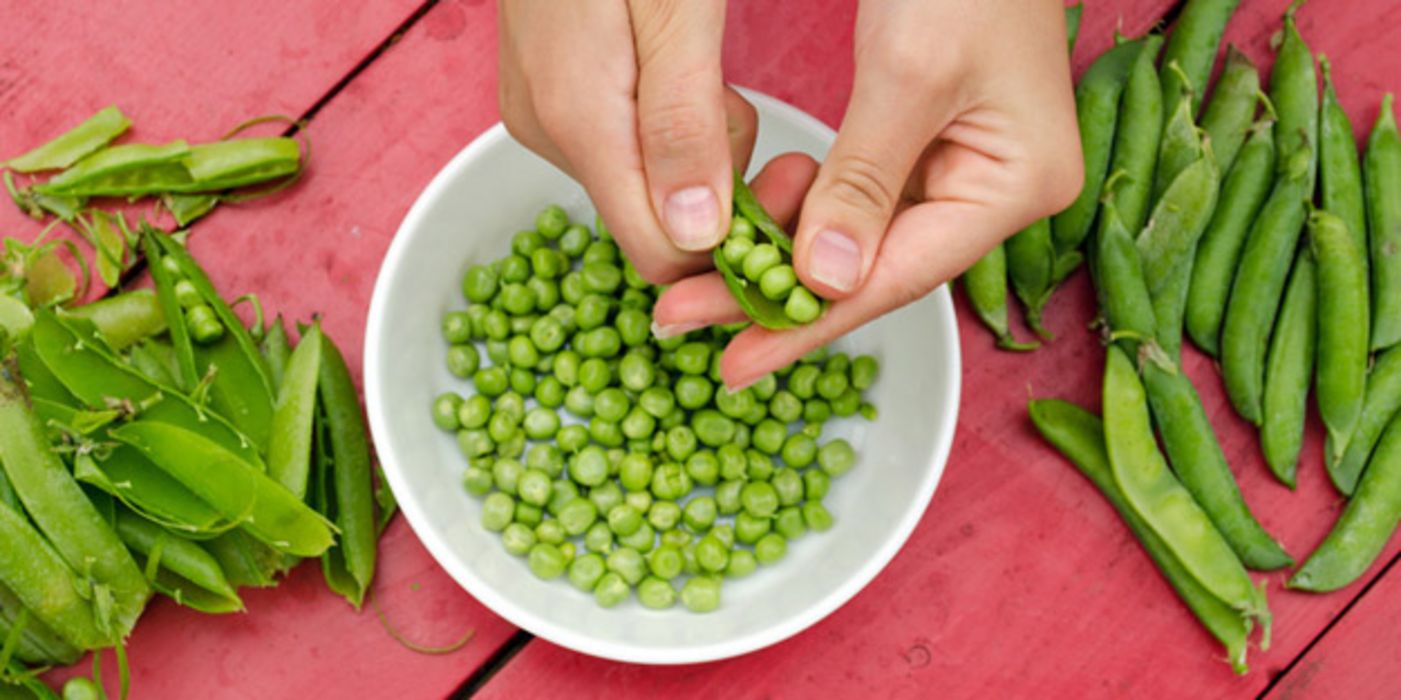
(1079, 435)
(1340, 171)
(1228, 116)
(1097, 112)
(75, 144)
(1218, 253)
(1365, 525)
(43, 583)
(289, 449)
(267, 511)
(1140, 126)
(246, 562)
(112, 163)
(38, 643)
(351, 477)
(1259, 287)
(1160, 499)
(1072, 25)
(1197, 459)
(986, 285)
(1127, 306)
(1031, 259)
(96, 378)
(1383, 400)
(277, 351)
(60, 509)
(1294, 93)
(1193, 44)
(1383, 184)
(1289, 371)
(1181, 146)
(1342, 326)
(196, 574)
(224, 165)
(124, 319)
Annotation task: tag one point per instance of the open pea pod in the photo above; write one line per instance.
(240, 388)
(73, 145)
(759, 308)
(119, 170)
(178, 568)
(225, 165)
(124, 319)
(245, 561)
(37, 643)
(748, 206)
(267, 511)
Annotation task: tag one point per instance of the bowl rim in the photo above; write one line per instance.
(523, 618)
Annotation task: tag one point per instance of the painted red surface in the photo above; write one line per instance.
(1020, 579)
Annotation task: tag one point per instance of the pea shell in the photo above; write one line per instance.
(1289, 371)
(289, 446)
(1342, 326)
(114, 161)
(1382, 173)
(72, 145)
(1193, 44)
(1383, 400)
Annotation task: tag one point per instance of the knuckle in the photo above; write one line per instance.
(859, 182)
(907, 58)
(675, 127)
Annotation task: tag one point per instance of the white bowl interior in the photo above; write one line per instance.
(466, 215)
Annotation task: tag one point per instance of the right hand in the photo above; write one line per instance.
(628, 99)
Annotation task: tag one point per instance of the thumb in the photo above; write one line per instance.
(850, 206)
(681, 117)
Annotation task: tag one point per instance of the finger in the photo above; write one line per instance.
(742, 126)
(886, 127)
(927, 245)
(681, 117)
(702, 301)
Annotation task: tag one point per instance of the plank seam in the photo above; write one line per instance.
(493, 665)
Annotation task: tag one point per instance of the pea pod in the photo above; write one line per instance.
(154, 360)
(186, 208)
(186, 573)
(1228, 116)
(1160, 499)
(350, 499)
(1193, 45)
(289, 449)
(224, 165)
(1127, 306)
(1340, 173)
(1365, 525)
(1079, 435)
(1097, 112)
(1259, 286)
(37, 643)
(123, 319)
(1342, 326)
(1294, 92)
(268, 511)
(759, 308)
(1181, 145)
(117, 164)
(986, 285)
(1136, 139)
(1383, 400)
(73, 145)
(1031, 258)
(1289, 371)
(60, 509)
(44, 584)
(246, 561)
(769, 313)
(1383, 182)
(1168, 245)
(1218, 253)
(1072, 24)
(276, 350)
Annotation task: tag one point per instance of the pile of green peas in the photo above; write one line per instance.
(662, 474)
(204, 325)
(766, 265)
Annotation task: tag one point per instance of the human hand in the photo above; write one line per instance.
(628, 99)
(960, 131)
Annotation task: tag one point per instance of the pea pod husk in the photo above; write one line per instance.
(124, 319)
(68, 148)
(1382, 173)
(1289, 371)
(1136, 140)
(1181, 146)
(1192, 46)
(348, 488)
(43, 583)
(1294, 94)
(1342, 327)
(289, 448)
(1126, 304)
(119, 165)
(986, 285)
(1031, 259)
(225, 165)
(1079, 435)
(38, 644)
(1383, 400)
(1339, 168)
(245, 561)
(756, 306)
(1228, 116)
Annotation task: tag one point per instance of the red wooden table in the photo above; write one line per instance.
(1019, 581)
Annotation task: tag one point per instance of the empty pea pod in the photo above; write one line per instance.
(130, 168)
(1193, 45)
(1079, 435)
(1382, 173)
(1228, 116)
(1342, 327)
(1383, 400)
(1339, 170)
(1289, 371)
(1159, 498)
(1365, 525)
(1218, 253)
(986, 285)
(73, 145)
(224, 165)
(1259, 286)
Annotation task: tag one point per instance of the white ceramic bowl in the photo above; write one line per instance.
(467, 214)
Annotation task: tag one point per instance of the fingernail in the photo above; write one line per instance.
(661, 332)
(692, 218)
(836, 260)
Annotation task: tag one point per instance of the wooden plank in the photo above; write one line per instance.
(1021, 576)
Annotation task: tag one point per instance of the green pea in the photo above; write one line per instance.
(776, 282)
(601, 252)
(680, 442)
(526, 242)
(611, 590)
(546, 458)
(611, 404)
(571, 289)
(727, 496)
(477, 481)
(475, 443)
(816, 516)
(770, 548)
(816, 484)
(789, 523)
(657, 401)
(760, 465)
(656, 593)
(586, 571)
(476, 317)
(817, 411)
(496, 325)
(638, 424)
(599, 538)
(501, 427)
(552, 221)
(670, 481)
(803, 381)
(675, 538)
(590, 466)
(518, 539)
(579, 402)
(497, 511)
(624, 520)
(546, 561)
(577, 516)
(663, 515)
(457, 327)
(750, 528)
(602, 277)
(742, 563)
(759, 498)
(605, 432)
(463, 360)
(639, 500)
(445, 408)
(575, 240)
(635, 472)
(733, 463)
(836, 457)
(606, 496)
(534, 486)
(762, 257)
(627, 563)
(799, 450)
(703, 467)
(735, 250)
(550, 532)
(802, 306)
(769, 436)
(479, 284)
(506, 473)
(831, 385)
(666, 561)
(633, 325)
(561, 493)
(700, 513)
(711, 554)
(785, 406)
(692, 358)
(712, 428)
(515, 269)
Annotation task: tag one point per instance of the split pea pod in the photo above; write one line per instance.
(1365, 525)
(1031, 259)
(1228, 116)
(1168, 245)
(44, 584)
(1383, 182)
(1383, 400)
(186, 573)
(1160, 499)
(60, 509)
(1339, 170)
(986, 285)
(72, 145)
(351, 476)
(1097, 112)
(289, 449)
(1136, 138)
(1294, 93)
(1199, 463)
(1259, 286)
(1342, 327)
(1218, 253)
(1079, 435)
(1289, 371)
(37, 643)
(1193, 45)
(266, 510)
